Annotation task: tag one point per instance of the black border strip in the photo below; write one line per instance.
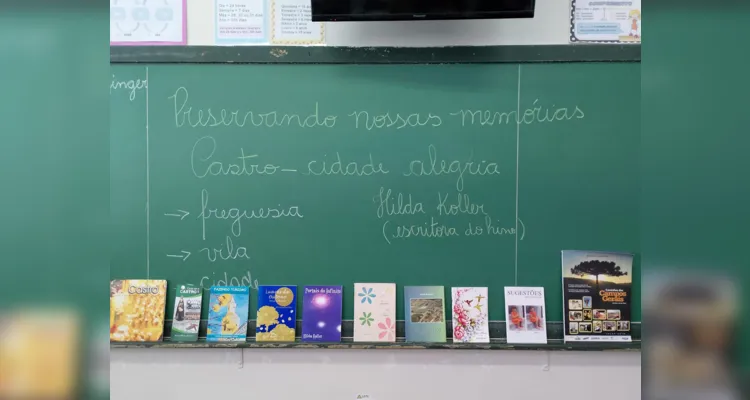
(376, 55)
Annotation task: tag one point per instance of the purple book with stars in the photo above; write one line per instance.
(321, 314)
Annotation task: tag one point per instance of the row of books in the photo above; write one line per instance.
(595, 303)
(137, 308)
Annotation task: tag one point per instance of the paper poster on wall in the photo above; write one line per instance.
(147, 22)
(240, 21)
(291, 23)
(605, 21)
(597, 287)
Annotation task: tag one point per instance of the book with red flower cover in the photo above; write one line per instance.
(470, 322)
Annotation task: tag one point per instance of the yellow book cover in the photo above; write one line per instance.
(136, 310)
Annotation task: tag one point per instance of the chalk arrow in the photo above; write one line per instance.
(184, 256)
(180, 213)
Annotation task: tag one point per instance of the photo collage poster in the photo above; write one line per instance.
(596, 296)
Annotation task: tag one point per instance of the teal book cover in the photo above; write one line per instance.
(227, 314)
(425, 313)
(277, 315)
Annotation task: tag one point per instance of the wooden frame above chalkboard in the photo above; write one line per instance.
(375, 55)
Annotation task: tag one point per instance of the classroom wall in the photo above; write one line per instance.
(550, 25)
(381, 374)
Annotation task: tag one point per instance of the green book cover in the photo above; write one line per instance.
(187, 313)
(425, 313)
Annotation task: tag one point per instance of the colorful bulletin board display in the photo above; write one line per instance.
(594, 21)
(147, 22)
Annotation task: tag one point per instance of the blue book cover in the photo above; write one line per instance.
(276, 313)
(321, 313)
(425, 313)
(227, 314)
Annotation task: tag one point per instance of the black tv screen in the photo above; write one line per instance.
(392, 10)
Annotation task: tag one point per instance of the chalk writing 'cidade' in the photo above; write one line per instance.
(352, 168)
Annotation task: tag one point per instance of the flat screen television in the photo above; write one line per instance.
(396, 10)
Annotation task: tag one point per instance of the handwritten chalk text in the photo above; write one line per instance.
(337, 167)
(435, 167)
(202, 164)
(237, 215)
(186, 115)
(132, 86)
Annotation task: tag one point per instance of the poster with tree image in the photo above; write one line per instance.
(596, 296)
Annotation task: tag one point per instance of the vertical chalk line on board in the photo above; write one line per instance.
(148, 192)
(518, 153)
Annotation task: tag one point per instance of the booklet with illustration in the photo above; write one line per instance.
(470, 322)
(525, 319)
(187, 313)
(596, 295)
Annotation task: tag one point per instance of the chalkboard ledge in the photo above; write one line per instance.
(375, 55)
(552, 345)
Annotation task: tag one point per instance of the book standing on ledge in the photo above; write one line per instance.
(375, 312)
(525, 319)
(136, 310)
(470, 311)
(425, 313)
(227, 314)
(596, 296)
(321, 314)
(187, 313)
(276, 319)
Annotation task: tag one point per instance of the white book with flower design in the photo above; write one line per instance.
(470, 322)
(374, 312)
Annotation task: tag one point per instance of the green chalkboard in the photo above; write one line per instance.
(473, 174)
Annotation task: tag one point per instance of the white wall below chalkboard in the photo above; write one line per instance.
(379, 374)
(550, 25)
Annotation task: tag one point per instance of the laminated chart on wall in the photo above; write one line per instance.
(605, 21)
(151, 22)
(291, 23)
(241, 22)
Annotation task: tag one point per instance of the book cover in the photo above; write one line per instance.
(425, 313)
(136, 310)
(186, 317)
(596, 295)
(375, 312)
(321, 313)
(525, 318)
(228, 308)
(40, 352)
(276, 313)
(470, 322)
